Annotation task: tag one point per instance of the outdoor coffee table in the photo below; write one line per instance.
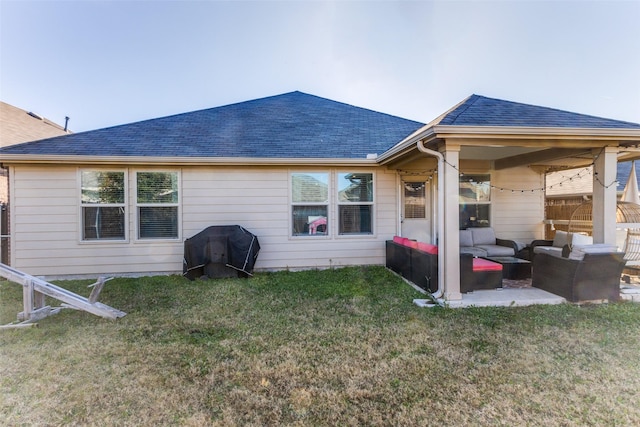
(513, 268)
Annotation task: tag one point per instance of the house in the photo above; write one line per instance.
(321, 183)
(18, 126)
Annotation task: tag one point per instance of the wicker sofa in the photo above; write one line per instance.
(418, 263)
(586, 273)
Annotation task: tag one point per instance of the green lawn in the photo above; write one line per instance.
(334, 347)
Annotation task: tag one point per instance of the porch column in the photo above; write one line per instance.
(604, 195)
(450, 242)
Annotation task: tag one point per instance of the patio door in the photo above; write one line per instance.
(416, 211)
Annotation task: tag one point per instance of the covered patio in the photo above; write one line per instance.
(511, 147)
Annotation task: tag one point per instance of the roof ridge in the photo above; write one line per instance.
(468, 102)
(439, 119)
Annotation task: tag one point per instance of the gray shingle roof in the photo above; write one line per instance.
(481, 111)
(291, 125)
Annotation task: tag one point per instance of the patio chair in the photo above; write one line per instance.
(591, 276)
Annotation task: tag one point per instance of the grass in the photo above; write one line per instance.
(334, 347)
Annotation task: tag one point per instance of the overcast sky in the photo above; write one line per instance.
(105, 63)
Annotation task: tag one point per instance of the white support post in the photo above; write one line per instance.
(604, 195)
(451, 239)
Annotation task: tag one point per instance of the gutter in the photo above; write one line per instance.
(441, 256)
(178, 161)
(528, 132)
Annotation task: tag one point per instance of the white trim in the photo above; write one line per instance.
(327, 204)
(136, 206)
(80, 207)
(372, 203)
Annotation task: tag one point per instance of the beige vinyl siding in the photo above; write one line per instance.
(46, 222)
(517, 215)
(258, 199)
(46, 226)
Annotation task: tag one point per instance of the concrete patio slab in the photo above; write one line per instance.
(505, 297)
(630, 292)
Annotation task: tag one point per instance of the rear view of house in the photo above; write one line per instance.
(297, 170)
(321, 183)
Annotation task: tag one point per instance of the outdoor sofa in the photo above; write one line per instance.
(482, 242)
(418, 263)
(581, 274)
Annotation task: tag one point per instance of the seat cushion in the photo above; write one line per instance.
(399, 240)
(483, 236)
(551, 250)
(497, 250)
(411, 243)
(581, 239)
(578, 252)
(481, 264)
(466, 238)
(428, 248)
(473, 251)
(560, 239)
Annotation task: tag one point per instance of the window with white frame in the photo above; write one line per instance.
(310, 203)
(102, 200)
(157, 202)
(475, 200)
(355, 203)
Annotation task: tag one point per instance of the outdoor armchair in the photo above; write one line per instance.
(594, 277)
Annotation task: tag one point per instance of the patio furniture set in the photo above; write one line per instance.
(569, 266)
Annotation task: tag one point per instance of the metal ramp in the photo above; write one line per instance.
(35, 289)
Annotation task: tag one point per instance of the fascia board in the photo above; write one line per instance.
(446, 131)
(180, 161)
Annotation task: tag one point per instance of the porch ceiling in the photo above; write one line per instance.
(545, 154)
(504, 157)
(548, 159)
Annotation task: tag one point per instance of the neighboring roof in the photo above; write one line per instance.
(18, 126)
(291, 125)
(481, 111)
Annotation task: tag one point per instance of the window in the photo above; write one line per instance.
(475, 200)
(310, 204)
(355, 203)
(102, 197)
(414, 200)
(157, 205)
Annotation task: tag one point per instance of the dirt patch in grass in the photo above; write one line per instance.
(335, 347)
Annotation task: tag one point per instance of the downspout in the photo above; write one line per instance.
(441, 261)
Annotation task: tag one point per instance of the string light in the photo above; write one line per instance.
(580, 174)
